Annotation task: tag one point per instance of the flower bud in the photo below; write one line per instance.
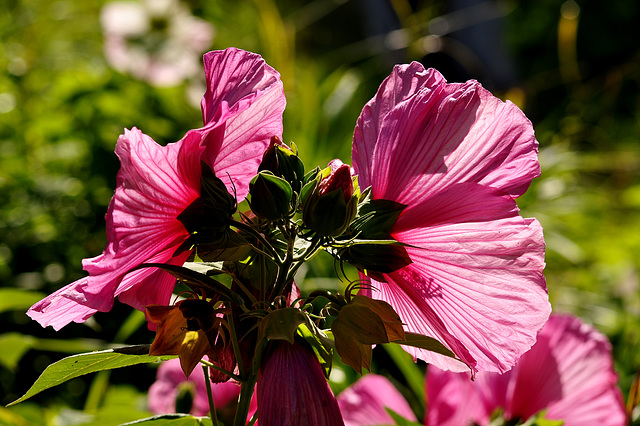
(270, 196)
(331, 201)
(292, 388)
(283, 162)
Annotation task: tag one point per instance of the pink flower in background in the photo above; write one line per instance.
(568, 372)
(242, 110)
(457, 157)
(158, 41)
(366, 401)
(170, 381)
(292, 389)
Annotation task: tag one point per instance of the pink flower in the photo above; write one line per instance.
(170, 382)
(292, 389)
(154, 40)
(457, 157)
(568, 372)
(366, 402)
(242, 110)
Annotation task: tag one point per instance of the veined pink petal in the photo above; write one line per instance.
(154, 186)
(568, 372)
(365, 402)
(477, 268)
(581, 386)
(245, 101)
(435, 134)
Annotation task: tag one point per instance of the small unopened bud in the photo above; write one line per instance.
(283, 162)
(331, 201)
(270, 196)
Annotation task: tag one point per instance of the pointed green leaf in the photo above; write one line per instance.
(173, 420)
(79, 365)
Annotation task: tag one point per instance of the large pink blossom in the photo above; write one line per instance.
(568, 372)
(242, 110)
(169, 382)
(457, 157)
(366, 402)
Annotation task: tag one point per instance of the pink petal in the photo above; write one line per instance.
(244, 101)
(415, 143)
(454, 400)
(365, 402)
(154, 186)
(568, 372)
(402, 84)
(582, 383)
(477, 268)
(163, 392)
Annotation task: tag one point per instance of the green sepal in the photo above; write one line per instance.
(208, 215)
(321, 344)
(270, 196)
(374, 259)
(196, 280)
(425, 342)
(234, 247)
(375, 217)
(281, 324)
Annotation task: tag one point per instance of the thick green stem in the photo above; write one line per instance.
(246, 392)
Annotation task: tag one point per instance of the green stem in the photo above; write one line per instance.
(212, 406)
(246, 392)
(236, 345)
(259, 237)
(220, 369)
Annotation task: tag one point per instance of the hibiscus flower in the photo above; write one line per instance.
(568, 373)
(242, 109)
(456, 157)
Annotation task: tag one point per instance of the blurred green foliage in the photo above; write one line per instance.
(571, 66)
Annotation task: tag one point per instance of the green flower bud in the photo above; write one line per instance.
(330, 202)
(270, 196)
(283, 162)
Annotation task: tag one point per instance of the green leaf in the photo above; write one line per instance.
(14, 299)
(193, 278)
(173, 420)
(79, 365)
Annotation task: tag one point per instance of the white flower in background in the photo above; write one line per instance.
(159, 41)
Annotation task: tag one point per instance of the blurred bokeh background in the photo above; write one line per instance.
(73, 74)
